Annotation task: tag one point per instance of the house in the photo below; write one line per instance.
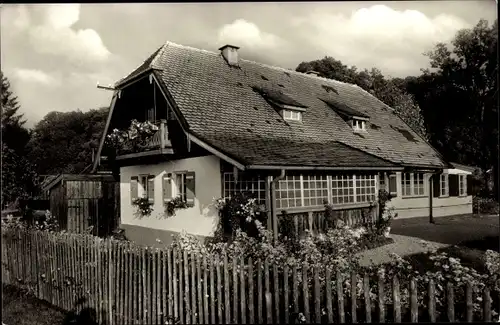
(293, 139)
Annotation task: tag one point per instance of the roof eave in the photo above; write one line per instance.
(332, 168)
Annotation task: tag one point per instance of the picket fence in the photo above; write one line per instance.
(128, 284)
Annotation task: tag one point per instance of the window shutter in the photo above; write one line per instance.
(167, 187)
(190, 188)
(393, 185)
(151, 189)
(436, 185)
(453, 184)
(134, 189)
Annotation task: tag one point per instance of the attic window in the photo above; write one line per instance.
(358, 125)
(289, 115)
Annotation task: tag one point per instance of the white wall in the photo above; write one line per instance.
(408, 207)
(198, 220)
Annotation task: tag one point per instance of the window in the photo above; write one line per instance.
(444, 187)
(382, 182)
(342, 189)
(365, 188)
(418, 184)
(180, 185)
(289, 192)
(292, 115)
(358, 125)
(146, 187)
(297, 191)
(462, 185)
(254, 184)
(315, 190)
(412, 184)
(406, 184)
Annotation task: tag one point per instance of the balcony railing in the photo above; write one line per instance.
(158, 143)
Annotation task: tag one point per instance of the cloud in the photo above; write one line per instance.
(243, 33)
(35, 76)
(378, 36)
(50, 31)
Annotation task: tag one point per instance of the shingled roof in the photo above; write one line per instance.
(220, 106)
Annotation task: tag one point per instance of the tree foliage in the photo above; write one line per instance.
(19, 179)
(389, 91)
(63, 142)
(459, 96)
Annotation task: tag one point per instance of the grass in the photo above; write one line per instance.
(21, 308)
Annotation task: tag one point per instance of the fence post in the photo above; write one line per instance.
(354, 307)
(469, 306)
(368, 304)
(432, 301)
(329, 302)
(340, 297)
(381, 297)
(413, 301)
(110, 281)
(487, 305)
(450, 302)
(396, 299)
(317, 297)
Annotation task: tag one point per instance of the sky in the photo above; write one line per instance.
(54, 55)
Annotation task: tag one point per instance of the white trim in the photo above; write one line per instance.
(105, 133)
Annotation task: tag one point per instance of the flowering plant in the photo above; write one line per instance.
(136, 137)
(144, 207)
(175, 203)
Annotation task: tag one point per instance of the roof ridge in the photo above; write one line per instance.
(391, 108)
(264, 65)
(159, 54)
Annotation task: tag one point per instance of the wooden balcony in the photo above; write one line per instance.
(158, 144)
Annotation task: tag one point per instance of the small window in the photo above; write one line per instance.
(292, 115)
(180, 185)
(146, 187)
(462, 185)
(358, 125)
(445, 190)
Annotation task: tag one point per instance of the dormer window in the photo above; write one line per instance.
(289, 115)
(358, 125)
(284, 104)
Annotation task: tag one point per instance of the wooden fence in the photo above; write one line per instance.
(128, 284)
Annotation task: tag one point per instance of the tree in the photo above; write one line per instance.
(14, 134)
(18, 177)
(389, 91)
(459, 96)
(63, 142)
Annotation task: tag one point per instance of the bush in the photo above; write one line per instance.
(485, 205)
(48, 223)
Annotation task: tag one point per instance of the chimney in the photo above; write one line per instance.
(312, 72)
(230, 54)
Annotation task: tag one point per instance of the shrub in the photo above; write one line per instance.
(48, 223)
(485, 205)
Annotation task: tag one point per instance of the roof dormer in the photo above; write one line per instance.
(287, 107)
(356, 119)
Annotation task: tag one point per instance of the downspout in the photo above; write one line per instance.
(274, 213)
